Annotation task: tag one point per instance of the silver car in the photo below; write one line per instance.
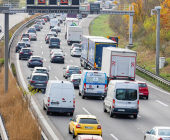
(55, 50)
(69, 70)
(33, 36)
(75, 79)
(39, 23)
(40, 70)
(57, 28)
(27, 41)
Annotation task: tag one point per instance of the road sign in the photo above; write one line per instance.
(94, 7)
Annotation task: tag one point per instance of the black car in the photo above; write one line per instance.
(54, 42)
(57, 57)
(26, 35)
(48, 19)
(19, 46)
(35, 61)
(25, 53)
(75, 79)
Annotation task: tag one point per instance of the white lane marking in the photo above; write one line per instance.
(43, 33)
(42, 52)
(41, 46)
(44, 30)
(65, 54)
(40, 115)
(60, 42)
(56, 78)
(44, 59)
(113, 136)
(139, 116)
(161, 103)
(47, 27)
(60, 38)
(3, 129)
(86, 111)
(63, 48)
(71, 61)
(41, 37)
(41, 42)
(49, 67)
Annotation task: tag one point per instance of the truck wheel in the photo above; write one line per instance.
(71, 114)
(111, 113)
(48, 112)
(135, 116)
(44, 106)
(104, 108)
(82, 96)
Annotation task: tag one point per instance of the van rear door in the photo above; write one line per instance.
(67, 96)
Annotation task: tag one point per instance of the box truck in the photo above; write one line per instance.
(95, 49)
(74, 34)
(119, 63)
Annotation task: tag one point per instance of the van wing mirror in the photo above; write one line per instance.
(28, 77)
(147, 132)
(64, 67)
(71, 120)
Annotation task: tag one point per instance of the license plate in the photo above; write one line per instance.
(121, 110)
(73, 72)
(39, 84)
(86, 127)
(141, 93)
(57, 57)
(89, 89)
(25, 53)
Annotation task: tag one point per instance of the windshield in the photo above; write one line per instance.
(164, 132)
(126, 94)
(41, 70)
(39, 78)
(88, 121)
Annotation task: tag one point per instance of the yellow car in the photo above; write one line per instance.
(84, 124)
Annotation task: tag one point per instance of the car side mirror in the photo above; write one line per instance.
(147, 132)
(28, 77)
(64, 67)
(48, 70)
(71, 120)
(31, 69)
(32, 51)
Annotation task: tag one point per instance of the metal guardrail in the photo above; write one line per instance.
(154, 76)
(4, 133)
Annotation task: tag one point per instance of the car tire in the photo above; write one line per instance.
(71, 114)
(82, 96)
(46, 42)
(19, 58)
(147, 97)
(65, 77)
(63, 62)
(111, 113)
(48, 112)
(135, 116)
(104, 108)
(51, 61)
(69, 130)
(73, 134)
(79, 93)
(44, 106)
(41, 65)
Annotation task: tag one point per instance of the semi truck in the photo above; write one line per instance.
(92, 47)
(74, 34)
(70, 22)
(118, 63)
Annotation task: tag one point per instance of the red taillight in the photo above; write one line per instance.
(46, 81)
(53, 56)
(78, 126)
(41, 61)
(73, 80)
(32, 81)
(79, 42)
(74, 51)
(84, 86)
(74, 102)
(80, 35)
(105, 89)
(160, 139)
(113, 104)
(67, 71)
(21, 52)
(38, 27)
(80, 72)
(49, 41)
(59, 42)
(30, 52)
(48, 101)
(99, 127)
(47, 73)
(31, 61)
(69, 34)
(34, 36)
(138, 104)
(62, 57)
(16, 46)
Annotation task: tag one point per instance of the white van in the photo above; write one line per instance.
(122, 98)
(53, 23)
(93, 84)
(59, 97)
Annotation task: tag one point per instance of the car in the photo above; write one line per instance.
(39, 23)
(37, 27)
(25, 53)
(55, 50)
(33, 36)
(57, 57)
(158, 133)
(54, 34)
(54, 42)
(48, 19)
(35, 61)
(0, 28)
(57, 28)
(31, 30)
(88, 137)
(26, 35)
(47, 37)
(143, 90)
(75, 79)
(27, 41)
(69, 70)
(84, 124)
(75, 45)
(54, 30)
(40, 70)
(54, 15)
(76, 51)
(60, 20)
(19, 46)
(42, 21)
(38, 80)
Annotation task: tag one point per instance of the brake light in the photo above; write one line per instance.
(49, 41)
(99, 127)
(31, 61)
(41, 61)
(105, 89)
(73, 80)
(80, 35)
(79, 42)
(138, 104)
(80, 72)
(78, 126)
(69, 34)
(48, 101)
(113, 104)
(21, 52)
(74, 51)
(32, 81)
(74, 102)
(160, 139)
(84, 86)
(30, 52)
(46, 82)
(67, 71)
(47, 73)
(16, 46)
(59, 42)
(62, 57)
(53, 56)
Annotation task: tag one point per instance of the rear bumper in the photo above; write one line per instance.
(86, 131)
(30, 64)
(127, 111)
(54, 46)
(57, 60)
(71, 42)
(143, 94)
(60, 109)
(95, 94)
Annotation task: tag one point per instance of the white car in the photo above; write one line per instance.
(76, 51)
(27, 41)
(158, 133)
(55, 50)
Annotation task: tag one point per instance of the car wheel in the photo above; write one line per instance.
(28, 65)
(82, 96)
(51, 61)
(65, 77)
(111, 113)
(135, 116)
(41, 65)
(49, 47)
(69, 129)
(104, 108)
(19, 58)
(71, 114)
(73, 134)
(144, 138)
(79, 93)
(147, 97)
(46, 42)
(48, 112)
(44, 106)
(63, 62)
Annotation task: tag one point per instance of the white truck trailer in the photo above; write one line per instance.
(74, 34)
(119, 63)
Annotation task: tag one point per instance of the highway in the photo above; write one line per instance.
(152, 112)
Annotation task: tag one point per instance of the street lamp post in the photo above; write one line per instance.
(157, 9)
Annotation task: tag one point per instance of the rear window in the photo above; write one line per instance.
(142, 85)
(95, 80)
(126, 94)
(77, 45)
(164, 132)
(55, 40)
(35, 58)
(41, 70)
(25, 39)
(77, 77)
(74, 68)
(25, 35)
(78, 49)
(21, 44)
(57, 50)
(26, 50)
(39, 78)
(53, 29)
(88, 121)
(58, 54)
